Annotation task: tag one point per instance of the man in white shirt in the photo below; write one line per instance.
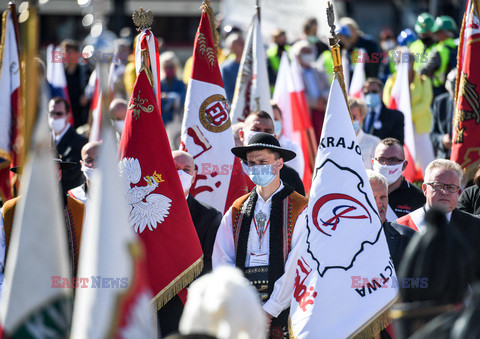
(89, 163)
(260, 233)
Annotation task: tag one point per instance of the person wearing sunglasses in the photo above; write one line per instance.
(442, 190)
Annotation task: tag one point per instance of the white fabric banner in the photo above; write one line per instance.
(345, 265)
(252, 90)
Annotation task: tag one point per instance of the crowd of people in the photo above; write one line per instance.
(258, 234)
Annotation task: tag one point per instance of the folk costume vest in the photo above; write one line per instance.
(285, 209)
(73, 212)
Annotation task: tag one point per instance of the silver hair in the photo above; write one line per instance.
(372, 175)
(443, 164)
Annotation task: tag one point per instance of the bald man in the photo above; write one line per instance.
(89, 157)
(206, 220)
(118, 111)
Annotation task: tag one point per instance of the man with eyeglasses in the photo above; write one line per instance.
(403, 197)
(67, 142)
(442, 189)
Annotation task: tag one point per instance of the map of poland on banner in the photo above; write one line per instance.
(345, 265)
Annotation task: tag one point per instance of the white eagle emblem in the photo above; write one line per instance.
(146, 209)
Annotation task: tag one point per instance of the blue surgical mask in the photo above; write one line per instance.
(262, 175)
(278, 127)
(356, 125)
(372, 100)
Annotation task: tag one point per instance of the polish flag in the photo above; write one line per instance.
(10, 114)
(400, 100)
(56, 78)
(206, 130)
(289, 94)
(358, 78)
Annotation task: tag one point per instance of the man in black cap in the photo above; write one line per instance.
(261, 231)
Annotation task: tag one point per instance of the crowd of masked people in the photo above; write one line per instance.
(432, 227)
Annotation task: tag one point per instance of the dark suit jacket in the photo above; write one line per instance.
(398, 237)
(206, 220)
(69, 148)
(392, 124)
(443, 107)
(469, 226)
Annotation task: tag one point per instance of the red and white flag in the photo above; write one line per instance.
(157, 206)
(400, 100)
(252, 90)
(111, 256)
(56, 78)
(466, 129)
(206, 130)
(289, 94)
(358, 77)
(146, 41)
(10, 114)
(343, 264)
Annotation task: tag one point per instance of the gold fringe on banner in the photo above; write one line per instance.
(178, 284)
(213, 27)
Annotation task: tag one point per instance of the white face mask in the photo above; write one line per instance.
(307, 58)
(118, 125)
(185, 179)
(57, 125)
(248, 136)
(278, 127)
(390, 172)
(88, 172)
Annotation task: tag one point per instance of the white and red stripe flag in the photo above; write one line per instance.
(206, 130)
(252, 89)
(10, 102)
(147, 41)
(56, 78)
(289, 94)
(400, 100)
(358, 77)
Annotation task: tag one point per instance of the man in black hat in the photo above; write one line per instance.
(73, 211)
(261, 231)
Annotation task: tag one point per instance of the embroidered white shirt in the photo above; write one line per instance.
(224, 252)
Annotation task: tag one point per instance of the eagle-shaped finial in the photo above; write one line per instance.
(331, 18)
(143, 20)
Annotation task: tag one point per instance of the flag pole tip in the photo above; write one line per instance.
(142, 19)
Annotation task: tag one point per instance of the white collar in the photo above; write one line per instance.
(360, 135)
(60, 136)
(448, 215)
(260, 199)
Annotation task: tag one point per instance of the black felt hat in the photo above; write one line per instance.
(263, 141)
(63, 165)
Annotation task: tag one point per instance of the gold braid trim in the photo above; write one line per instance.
(211, 18)
(4, 36)
(178, 284)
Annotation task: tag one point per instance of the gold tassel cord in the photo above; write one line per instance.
(179, 283)
(213, 27)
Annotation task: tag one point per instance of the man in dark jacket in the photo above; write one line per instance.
(67, 142)
(381, 121)
(398, 236)
(206, 220)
